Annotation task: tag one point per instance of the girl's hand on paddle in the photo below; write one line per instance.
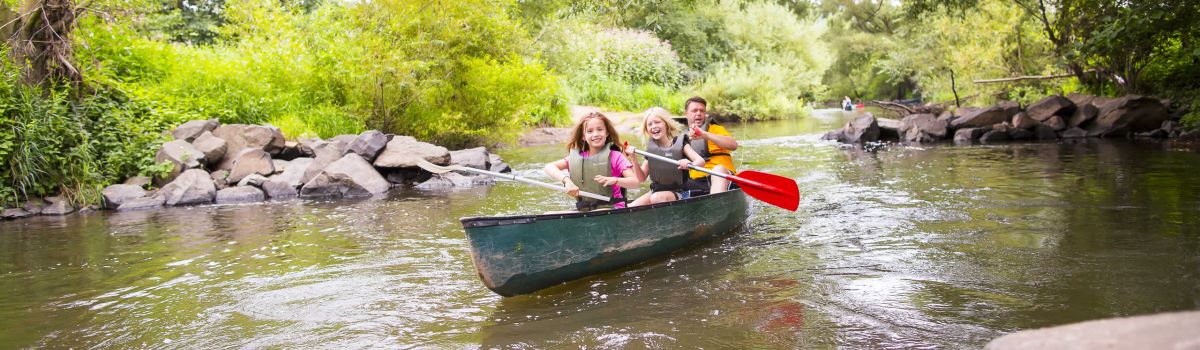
(630, 152)
(605, 180)
(683, 164)
(572, 190)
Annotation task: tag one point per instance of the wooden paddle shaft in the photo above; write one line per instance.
(528, 181)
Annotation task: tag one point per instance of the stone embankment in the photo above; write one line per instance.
(1056, 117)
(235, 163)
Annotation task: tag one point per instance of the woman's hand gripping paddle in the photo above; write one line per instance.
(774, 189)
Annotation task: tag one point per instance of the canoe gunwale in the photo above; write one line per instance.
(486, 221)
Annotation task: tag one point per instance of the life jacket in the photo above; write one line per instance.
(583, 171)
(701, 145)
(667, 176)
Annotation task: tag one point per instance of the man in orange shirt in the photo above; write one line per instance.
(714, 144)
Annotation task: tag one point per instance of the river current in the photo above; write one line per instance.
(893, 246)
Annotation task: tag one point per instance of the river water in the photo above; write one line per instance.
(893, 247)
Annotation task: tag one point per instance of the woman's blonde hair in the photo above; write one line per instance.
(673, 127)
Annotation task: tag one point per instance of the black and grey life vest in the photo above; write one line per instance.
(667, 176)
(701, 145)
(583, 171)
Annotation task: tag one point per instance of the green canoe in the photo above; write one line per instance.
(523, 254)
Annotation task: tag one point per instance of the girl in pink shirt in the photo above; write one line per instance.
(594, 135)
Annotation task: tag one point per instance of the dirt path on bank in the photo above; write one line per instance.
(626, 123)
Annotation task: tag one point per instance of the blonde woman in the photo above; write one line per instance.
(664, 138)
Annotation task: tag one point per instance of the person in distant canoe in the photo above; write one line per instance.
(847, 104)
(595, 164)
(713, 143)
(664, 138)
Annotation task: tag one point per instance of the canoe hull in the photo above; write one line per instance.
(522, 254)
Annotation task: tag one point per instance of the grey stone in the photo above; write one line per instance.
(14, 213)
(192, 129)
(181, 154)
(472, 158)
(250, 161)
(368, 144)
(239, 137)
(994, 136)
(403, 152)
(1056, 123)
(213, 147)
(922, 128)
(1174, 330)
(58, 206)
(149, 202)
(194, 186)
(984, 117)
(497, 164)
(279, 189)
(1023, 121)
(254, 180)
(968, 135)
(246, 194)
(34, 205)
(350, 176)
(327, 153)
(291, 150)
(1050, 106)
(864, 128)
(293, 175)
(308, 146)
(1083, 114)
(1131, 113)
(115, 195)
(280, 165)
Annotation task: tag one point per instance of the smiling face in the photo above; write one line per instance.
(595, 134)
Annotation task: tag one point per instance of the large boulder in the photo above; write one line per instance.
(472, 158)
(192, 187)
(1056, 123)
(497, 164)
(968, 135)
(1049, 107)
(1045, 132)
(181, 155)
(922, 128)
(368, 144)
(191, 130)
(889, 129)
(1128, 114)
(149, 202)
(250, 161)
(116, 195)
(987, 117)
(994, 136)
(864, 128)
(59, 205)
(404, 151)
(350, 176)
(14, 213)
(241, 194)
(327, 153)
(239, 137)
(1023, 121)
(293, 175)
(279, 189)
(213, 147)
(1082, 115)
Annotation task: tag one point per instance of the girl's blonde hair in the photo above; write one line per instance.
(577, 141)
(673, 127)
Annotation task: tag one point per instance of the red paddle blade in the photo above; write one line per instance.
(774, 189)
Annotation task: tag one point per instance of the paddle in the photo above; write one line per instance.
(437, 169)
(774, 189)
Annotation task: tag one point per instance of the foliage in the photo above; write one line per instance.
(773, 62)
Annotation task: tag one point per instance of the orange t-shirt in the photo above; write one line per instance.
(724, 159)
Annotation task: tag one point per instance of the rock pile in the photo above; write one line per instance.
(235, 163)
(1052, 118)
